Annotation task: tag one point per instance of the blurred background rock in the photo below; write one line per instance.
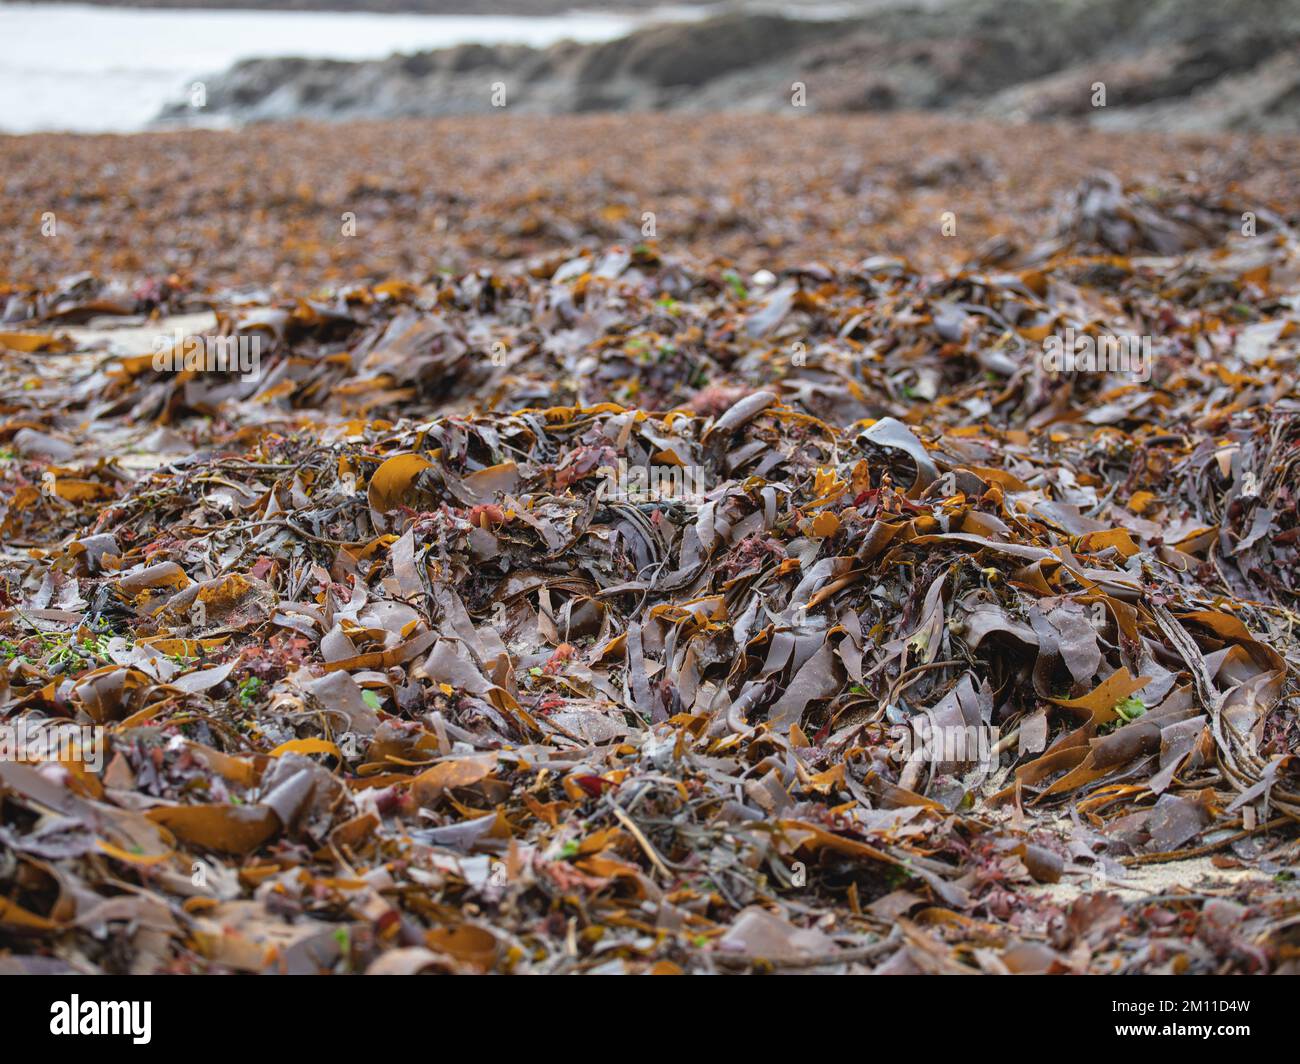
(1196, 65)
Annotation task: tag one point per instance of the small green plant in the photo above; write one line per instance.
(1131, 708)
(1125, 712)
(249, 690)
(343, 938)
(68, 653)
(736, 285)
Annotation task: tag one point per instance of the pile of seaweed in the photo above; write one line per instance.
(618, 611)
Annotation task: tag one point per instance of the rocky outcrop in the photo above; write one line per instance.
(1182, 64)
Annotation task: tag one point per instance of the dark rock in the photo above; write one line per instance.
(1185, 65)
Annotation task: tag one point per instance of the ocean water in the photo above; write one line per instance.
(110, 69)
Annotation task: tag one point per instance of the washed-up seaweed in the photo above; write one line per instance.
(579, 614)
